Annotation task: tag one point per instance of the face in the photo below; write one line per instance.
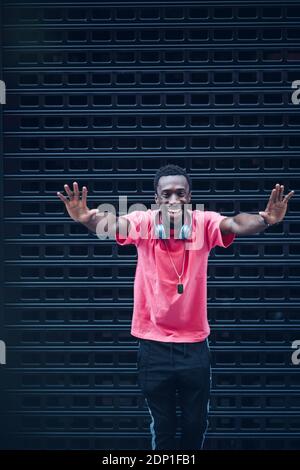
(172, 193)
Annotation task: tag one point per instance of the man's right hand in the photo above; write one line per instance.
(75, 206)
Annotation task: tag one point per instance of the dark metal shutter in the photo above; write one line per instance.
(103, 93)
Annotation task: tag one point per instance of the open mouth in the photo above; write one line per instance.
(174, 211)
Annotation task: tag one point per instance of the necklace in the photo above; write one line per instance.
(179, 285)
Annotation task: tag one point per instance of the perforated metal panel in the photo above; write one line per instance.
(103, 93)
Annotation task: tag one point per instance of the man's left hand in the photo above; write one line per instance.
(277, 205)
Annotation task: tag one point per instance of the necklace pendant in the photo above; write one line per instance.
(180, 288)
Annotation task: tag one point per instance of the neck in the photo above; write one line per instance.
(171, 223)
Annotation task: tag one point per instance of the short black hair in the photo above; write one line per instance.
(168, 170)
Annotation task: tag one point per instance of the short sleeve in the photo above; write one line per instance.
(214, 236)
(138, 228)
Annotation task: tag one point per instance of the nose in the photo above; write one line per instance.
(173, 199)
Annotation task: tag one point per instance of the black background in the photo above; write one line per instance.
(103, 93)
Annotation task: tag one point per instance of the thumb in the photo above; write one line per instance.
(93, 212)
(263, 214)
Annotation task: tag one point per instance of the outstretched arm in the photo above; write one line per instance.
(248, 224)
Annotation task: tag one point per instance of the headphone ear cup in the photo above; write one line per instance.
(160, 231)
(184, 232)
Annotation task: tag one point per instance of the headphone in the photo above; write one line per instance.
(160, 232)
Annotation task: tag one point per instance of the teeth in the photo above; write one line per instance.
(174, 211)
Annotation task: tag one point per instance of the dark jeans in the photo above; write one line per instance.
(165, 369)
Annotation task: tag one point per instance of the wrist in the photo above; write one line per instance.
(266, 225)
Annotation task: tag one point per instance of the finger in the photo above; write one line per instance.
(76, 191)
(84, 195)
(101, 214)
(271, 198)
(277, 192)
(62, 198)
(94, 212)
(281, 193)
(68, 191)
(288, 196)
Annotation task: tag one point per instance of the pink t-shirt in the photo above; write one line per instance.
(161, 313)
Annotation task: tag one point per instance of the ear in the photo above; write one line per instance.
(156, 198)
(189, 197)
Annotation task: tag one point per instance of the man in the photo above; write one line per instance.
(170, 317)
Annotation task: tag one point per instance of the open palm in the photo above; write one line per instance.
(76, 207)
(277, 205)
